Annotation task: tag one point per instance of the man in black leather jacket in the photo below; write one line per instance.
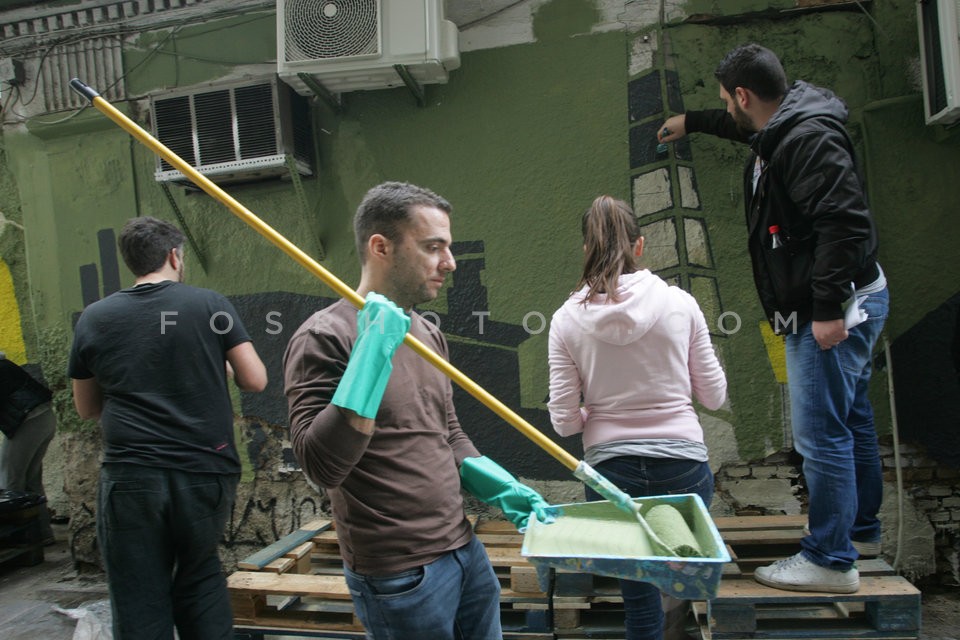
(813, 245)
(28, 423)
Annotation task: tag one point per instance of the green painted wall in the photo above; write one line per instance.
(520, 140)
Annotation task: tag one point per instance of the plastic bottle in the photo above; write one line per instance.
(775, 242)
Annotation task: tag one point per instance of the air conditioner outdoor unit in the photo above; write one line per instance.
(345, 45)
(939, 23)
(235, 132)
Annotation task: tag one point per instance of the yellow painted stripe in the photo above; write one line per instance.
(776, 352)
(11, 333)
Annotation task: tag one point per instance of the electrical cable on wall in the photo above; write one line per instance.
(156, 49)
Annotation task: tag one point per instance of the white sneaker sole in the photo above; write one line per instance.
(867, 549)
(827, 588)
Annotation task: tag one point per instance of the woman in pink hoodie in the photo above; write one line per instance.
(636, 351)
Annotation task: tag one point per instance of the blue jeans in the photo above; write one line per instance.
(456, 597)
(833, 430)
(158, 532)
(640, 476)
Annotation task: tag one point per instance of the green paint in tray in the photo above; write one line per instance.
(601, 538)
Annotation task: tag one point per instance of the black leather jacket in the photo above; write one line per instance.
(19, 395)
(809, 187)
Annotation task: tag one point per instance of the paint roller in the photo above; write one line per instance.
(580, 469)
(669, 524)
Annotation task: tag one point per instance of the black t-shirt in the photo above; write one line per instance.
(158, 352)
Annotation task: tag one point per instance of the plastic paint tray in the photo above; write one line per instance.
(599, 538)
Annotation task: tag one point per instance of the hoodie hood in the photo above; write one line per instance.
(622, 321)
(803, 101)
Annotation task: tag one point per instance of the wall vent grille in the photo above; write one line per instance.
(234, 133)
(94, 60)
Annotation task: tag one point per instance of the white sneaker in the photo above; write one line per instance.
(796, 573)
(867, 549)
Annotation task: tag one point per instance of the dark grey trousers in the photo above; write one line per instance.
(159, 531)
(21, 459)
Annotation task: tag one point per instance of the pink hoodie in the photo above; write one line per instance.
(637, 361)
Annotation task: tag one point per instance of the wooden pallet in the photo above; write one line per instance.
(586, 606)
(885, 606)
(524, 607)
(296, 586)
(292, 600)
(20, 537)
(271, 558)
(277, 590)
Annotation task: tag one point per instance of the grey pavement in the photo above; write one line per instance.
(30, 596)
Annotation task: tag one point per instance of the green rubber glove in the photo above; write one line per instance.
(381, 326)
(491, 483)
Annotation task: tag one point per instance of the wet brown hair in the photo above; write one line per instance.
(610, 232)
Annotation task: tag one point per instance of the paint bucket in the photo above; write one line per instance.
(601, 538)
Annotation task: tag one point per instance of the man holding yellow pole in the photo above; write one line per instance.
(374, 424)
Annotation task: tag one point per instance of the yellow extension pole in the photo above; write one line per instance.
(319, 271)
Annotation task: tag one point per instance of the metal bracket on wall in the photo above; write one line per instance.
(412, 84)
(330, 99)
(302, 200)
(185, 227)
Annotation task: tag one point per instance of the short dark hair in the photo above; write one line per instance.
(385, 209)
(755, 68)
(145, 242)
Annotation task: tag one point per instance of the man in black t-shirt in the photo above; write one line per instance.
(152, 363)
